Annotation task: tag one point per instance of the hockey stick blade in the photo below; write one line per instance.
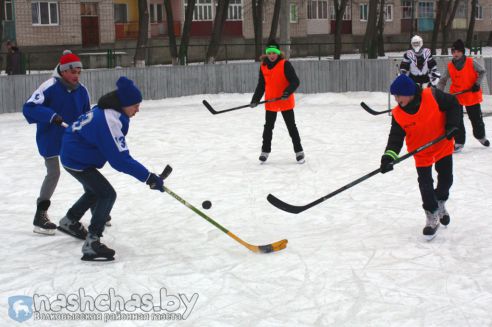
(276, 202)
(372, 111)
(209, 107)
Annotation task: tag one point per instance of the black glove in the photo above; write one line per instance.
(253, 104)
(475, 88)
(451, 131)
(57, 120)
(285, 95)
(155, 182)
(387, 161)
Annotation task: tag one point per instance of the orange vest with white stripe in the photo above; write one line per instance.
(275, 84)
(462, 80)
(427, 124)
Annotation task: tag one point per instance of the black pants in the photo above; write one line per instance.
(99, 196)
(430, 196)
(475, 114)
(290, 122)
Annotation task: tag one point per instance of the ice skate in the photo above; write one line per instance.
(108, 222)
(94, 250)
(484, 142)
(432, 225)
(263, 157)
(300, 157)
(458, 147)
(443, 213)
(73, 228)
(42, 223)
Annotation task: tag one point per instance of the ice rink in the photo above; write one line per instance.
(357, 259)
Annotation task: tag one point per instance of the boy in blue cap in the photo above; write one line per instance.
(94, 139)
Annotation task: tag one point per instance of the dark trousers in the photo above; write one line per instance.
(475, 114)
(99, 196)
(290, 122)
(430, 196)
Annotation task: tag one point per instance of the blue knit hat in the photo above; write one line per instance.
(127, 92)
(403, 85)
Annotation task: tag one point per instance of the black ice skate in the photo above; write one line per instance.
(73, 228)
(432, 224)
(443, 213)
(263, 157)
(42, 223)
(94, 250)
(484, 142)
(108, 221)
(300, 157)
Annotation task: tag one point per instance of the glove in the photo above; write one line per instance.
(451, 131)
(57, 120)
(475, 88)
(253, 104)
(155, 182)
(387, 161)
(285, 95)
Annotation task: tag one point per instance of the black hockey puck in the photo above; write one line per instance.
(206, 204)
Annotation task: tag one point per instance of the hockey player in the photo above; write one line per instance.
(419, 65)
(94, 139)
(420, 117)
(60, 99)
(277, 79)
(466, 75)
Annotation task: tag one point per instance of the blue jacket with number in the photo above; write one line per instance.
(51, 98)
(98, 137)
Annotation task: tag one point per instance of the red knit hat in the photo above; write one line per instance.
(69, 61)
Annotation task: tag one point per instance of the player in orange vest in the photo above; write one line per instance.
(420, 117)
(466, 74)
(277, 79)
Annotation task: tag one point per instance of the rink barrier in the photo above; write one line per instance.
(158, 82)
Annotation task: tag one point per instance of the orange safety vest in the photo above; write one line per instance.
(275, 84)
(462, 80)
(424, 126)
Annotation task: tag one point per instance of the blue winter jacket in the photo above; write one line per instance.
(52, 98)
(98, 137)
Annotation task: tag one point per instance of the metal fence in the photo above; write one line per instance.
(158, 82)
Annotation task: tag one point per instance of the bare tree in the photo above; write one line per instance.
(437, 25)
(143, 32)
(257, 11)
(2, 18)
(185, 36)
(275, 20)
(220, 17)
(370, 46)
(380, 29)
(471, 26)
(447, 21)
(339, 12)
(173, 49)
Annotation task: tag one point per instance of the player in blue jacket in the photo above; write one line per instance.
(60, 99)
(95, 138)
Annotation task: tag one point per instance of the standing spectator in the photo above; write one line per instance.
(14, 60)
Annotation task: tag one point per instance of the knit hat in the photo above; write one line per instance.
(403, 85)
(69, 61)
(127, 92)
(272, 46)
(458, 45)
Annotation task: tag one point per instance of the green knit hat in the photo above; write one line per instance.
(272, 46)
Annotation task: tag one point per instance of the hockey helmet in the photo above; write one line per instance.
(417, 43)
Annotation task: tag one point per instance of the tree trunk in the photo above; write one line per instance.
(143, 33)
(448, 23)
(489, 41)
(471, 26)
(437, 24)
(369, 47)
(220, 17)
(380, 30)
(2, 14)
(257, 11)
(185, 37)
(173, 50)
(275, 19)
(412, 25)
(285, 29)
(339, 11)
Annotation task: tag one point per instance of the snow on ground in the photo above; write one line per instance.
(357, 259)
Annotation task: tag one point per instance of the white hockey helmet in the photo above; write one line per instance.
(417, 43)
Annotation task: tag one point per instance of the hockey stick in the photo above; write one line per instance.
(273, 247)
(297, 209)
(215, 112)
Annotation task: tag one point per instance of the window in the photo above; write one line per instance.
(317, 9)
(406, 9)
(294, 17)
(479, 12)
(203, 10)
(388, 13)
(44, 13)
(461, 11)
(235, 10)
(8, 12)
(88, 9)
(120, 13)
(347, 15)
(426, 9)
(155, 13)
(364, 9)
